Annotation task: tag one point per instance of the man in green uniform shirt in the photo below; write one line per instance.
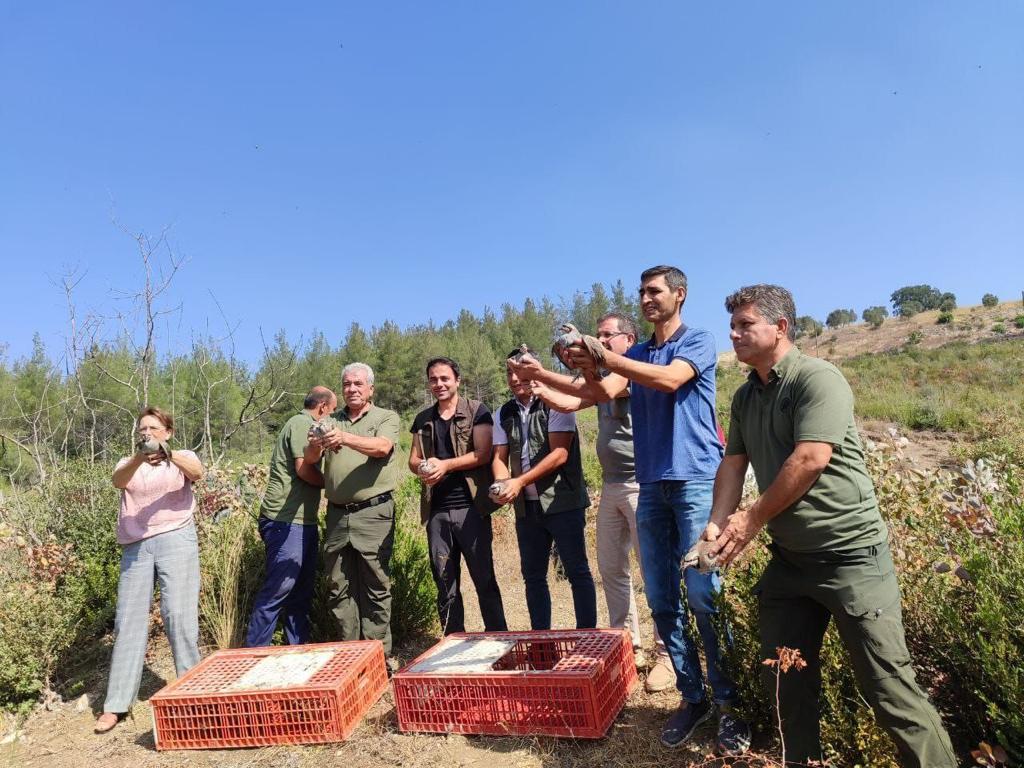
(793, 421)
(360, 473)
(289, 528)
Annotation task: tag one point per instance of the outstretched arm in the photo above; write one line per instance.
(800, 471)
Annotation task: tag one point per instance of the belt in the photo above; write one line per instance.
(357, 505)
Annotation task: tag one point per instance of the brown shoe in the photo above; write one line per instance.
(660, 676)
(107, 721)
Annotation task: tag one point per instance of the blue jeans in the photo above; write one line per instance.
(670, 517)
(287, 583)
(535, 532)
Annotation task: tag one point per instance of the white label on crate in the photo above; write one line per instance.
(464, 655)
(282, 670)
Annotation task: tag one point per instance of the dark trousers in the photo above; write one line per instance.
(536, 532)
(798, 594)
(452, 535)
(287, 583)
(357, 557)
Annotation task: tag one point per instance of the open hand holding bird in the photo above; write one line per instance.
(568, 335)
(150, 447)
(700, 557)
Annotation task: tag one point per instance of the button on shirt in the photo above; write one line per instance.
(557, 422)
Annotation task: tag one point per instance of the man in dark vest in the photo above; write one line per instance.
(537, 462)
(451, 454)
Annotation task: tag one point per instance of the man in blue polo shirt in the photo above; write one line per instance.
(677, 451)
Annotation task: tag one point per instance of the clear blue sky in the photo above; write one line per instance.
(317, 162)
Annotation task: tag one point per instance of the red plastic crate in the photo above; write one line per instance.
(233, 699)
(554, 683)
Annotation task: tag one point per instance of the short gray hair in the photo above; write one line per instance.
(772, 301)
(626, 324)
(363, 367)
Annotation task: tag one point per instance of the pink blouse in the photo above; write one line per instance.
(157, 499)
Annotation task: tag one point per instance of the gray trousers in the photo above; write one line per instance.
(616, 536)
(173, 558)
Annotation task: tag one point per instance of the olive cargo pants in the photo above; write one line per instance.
(357, 558)
(798, 594)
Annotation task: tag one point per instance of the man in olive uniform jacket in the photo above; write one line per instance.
(793, 421)
(289, 528)
(360, 473)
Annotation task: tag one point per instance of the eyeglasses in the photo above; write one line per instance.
(607, 336)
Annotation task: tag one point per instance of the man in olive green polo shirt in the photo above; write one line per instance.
(289, 529)
(793, 421)
(360, 473)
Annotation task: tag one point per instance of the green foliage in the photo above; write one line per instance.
(1018, 321)
(945, 317)
(999, 328)
(59, 565)
(808, 326)
(875, 316)
(911, 299)
(837, 318)
(914, 338)
(37, 624)
(909, 309)
(976, 389)
(413, 594)
(989, 300)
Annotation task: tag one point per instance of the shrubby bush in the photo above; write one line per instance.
(989, 300)
(413, 594)
(59, 565)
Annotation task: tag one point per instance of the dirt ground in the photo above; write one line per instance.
(62, 736)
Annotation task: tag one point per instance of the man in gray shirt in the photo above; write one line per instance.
(616, 513)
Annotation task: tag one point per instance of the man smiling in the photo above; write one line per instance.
(359, 477)
(451, 454)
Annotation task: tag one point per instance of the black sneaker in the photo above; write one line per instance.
(733, 736)
(684, 722)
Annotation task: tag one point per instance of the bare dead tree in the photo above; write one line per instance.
(265, 391)
(159, 265)
(73, 356)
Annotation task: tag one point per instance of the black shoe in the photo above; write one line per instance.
(684, 722)
(733, 735)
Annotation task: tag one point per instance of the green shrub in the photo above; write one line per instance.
(998, 328)
(231, 558)
(945, 317)
(1018, 321)
(413, 594)
(37, 625)
(59, 566)
(989, 300)
(914, 338)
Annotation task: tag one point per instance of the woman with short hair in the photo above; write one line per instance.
(158, 536)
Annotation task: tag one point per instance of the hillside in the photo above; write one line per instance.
(970, 324)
